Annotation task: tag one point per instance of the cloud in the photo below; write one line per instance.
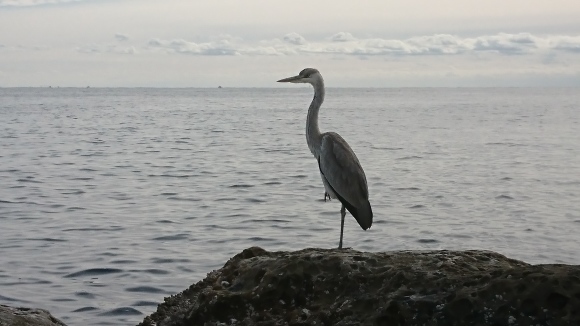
(221, 47)
(343, 43)
(342, 37)
(294, 38)
(442, 44)
(507, 43)
(566, 43)
(121, 37)
(227, 46)
(438, 44)
(126, 50)
(225, 37)
(89, 49)
(30, 3)
(24, 48)
(263, 50)
(106, 48)
(424, 45)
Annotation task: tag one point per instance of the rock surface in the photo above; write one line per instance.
(347, 287)
(10, 316)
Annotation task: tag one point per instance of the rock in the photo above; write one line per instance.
(10, 316)
(348, 287)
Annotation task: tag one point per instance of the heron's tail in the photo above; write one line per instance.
(364, 215)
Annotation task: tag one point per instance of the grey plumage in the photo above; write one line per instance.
(341, 172)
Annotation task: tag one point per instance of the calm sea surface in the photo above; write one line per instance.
(111, 199)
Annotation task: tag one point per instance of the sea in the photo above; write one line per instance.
(113, 198)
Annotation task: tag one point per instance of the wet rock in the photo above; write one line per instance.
(348, 287)
(10, 316)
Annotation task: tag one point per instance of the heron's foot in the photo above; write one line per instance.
(327, 196)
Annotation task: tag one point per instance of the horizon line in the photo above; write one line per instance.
(281, 87)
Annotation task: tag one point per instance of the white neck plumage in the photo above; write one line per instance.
(313, 135)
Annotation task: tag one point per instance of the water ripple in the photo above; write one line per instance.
(85, 295)
(86, 309)
(145, 289)
(145, 304)
(123, 311)
(427, 241)
(94, 229)
(180, 236)
(185, 199)
(94, 272)
(411, 157)
(169, 260)
(504, 197)
(241, 186)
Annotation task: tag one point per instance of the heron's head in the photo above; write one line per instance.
(308, 75)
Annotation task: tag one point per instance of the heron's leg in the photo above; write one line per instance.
(342, 215)
(326, 195)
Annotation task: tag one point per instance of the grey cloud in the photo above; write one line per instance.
(342, 37)
(424, 45)
(126, 50)
(445, 44)
(380, 46)
(121, 37)
(523, 38)
(294, 38)
(155, 43)
(225, 37)
(506, 43)
(262, 50)
(344, 43)
(25, 48)
(567, 44)
(438, 44)
(222, 47)
(274, 47)
(89, 49)
(229, 46)
(106, 48)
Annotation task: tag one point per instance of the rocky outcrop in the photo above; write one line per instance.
(348, 287)
(10, 316)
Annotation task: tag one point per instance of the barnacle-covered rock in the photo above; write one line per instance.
(348, 287)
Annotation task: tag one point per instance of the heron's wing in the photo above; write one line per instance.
(340, 167)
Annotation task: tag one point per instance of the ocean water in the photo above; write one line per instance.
(111, 199)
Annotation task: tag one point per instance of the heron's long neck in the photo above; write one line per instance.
(313, 136)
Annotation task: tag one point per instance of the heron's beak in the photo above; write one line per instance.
(295, 79)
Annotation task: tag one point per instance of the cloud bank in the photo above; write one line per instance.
(500, 59)
(344, 43)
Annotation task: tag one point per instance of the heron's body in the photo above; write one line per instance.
(341, 172)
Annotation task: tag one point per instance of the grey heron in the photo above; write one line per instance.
(342, 175)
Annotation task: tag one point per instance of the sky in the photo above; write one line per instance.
(253, 43)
